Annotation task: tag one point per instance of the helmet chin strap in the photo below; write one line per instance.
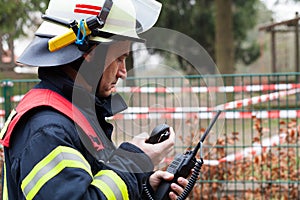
(97, 88)
(92, 66)
(74, 75)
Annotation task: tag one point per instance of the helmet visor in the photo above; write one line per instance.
(147, 13)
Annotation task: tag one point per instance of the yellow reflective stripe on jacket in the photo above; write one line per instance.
(5, 192)
(59, 159)
(112, 186)
(105, 188)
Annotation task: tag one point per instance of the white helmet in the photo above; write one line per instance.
(122, 19)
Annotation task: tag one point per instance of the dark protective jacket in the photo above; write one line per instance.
(50, 156)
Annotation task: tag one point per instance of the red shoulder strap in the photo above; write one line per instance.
(44, 97)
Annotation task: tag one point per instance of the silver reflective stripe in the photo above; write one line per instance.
(112, 185)
(59, 159)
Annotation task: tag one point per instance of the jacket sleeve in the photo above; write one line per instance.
(47, 163)
(132, 165)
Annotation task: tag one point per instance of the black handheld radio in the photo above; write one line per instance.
(159, 134)
(182, 165)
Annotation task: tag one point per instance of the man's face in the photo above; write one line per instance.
(115, 67)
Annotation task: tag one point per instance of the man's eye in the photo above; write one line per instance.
(122, 59)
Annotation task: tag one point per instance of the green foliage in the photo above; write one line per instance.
(17, 15)
(196, 18)
(248, 54)
(193, 18)
(18, 18)
(244, 18)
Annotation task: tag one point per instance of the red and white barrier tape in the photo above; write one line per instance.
(256, 100)
(15, 98)
(274, 114)
(206, 112)
(200, 112)
(203, 89)
(255, 150)
(203, 112)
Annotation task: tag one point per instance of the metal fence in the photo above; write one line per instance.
(251, 153)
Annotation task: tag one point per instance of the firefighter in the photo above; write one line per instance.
(57, 143)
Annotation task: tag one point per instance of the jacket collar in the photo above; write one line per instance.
(58, 81)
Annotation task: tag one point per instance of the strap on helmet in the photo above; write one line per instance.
(78, 34)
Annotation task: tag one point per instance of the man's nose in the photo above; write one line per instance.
(122, 72)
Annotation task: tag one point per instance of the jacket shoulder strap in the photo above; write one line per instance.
(44, 97)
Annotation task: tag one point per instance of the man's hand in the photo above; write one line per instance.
(177, 189)
(155, 151)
